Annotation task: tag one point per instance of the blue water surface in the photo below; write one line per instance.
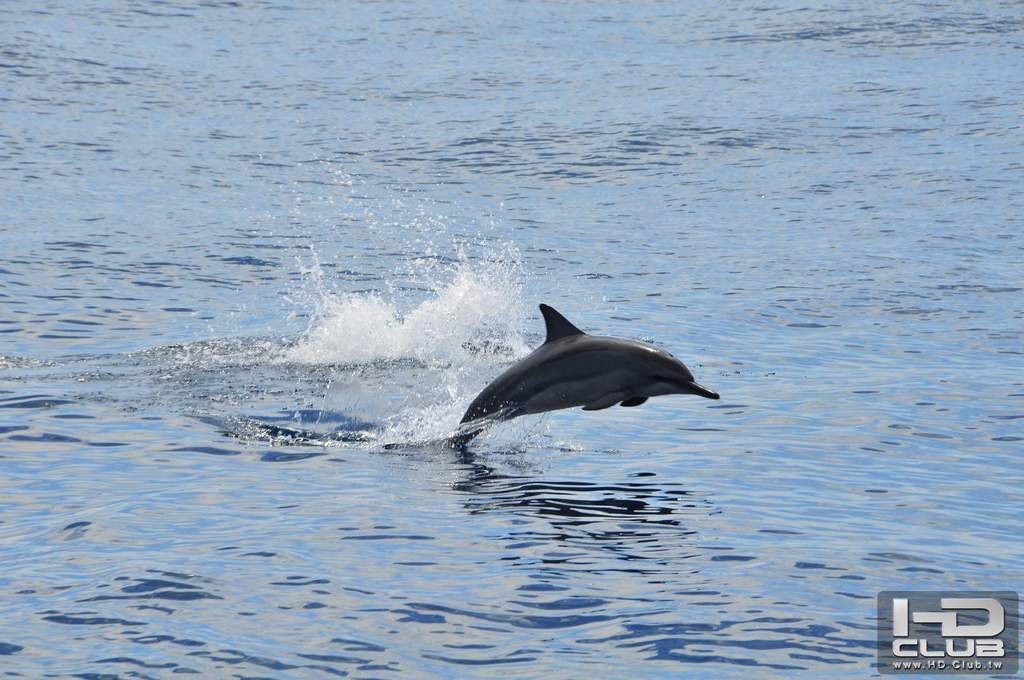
(254, 254)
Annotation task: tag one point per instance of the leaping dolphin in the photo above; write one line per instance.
(572, 369)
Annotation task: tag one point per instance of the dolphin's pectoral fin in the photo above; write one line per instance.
(635, 401)
(604, 402)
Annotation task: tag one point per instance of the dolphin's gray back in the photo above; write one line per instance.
(579, 363)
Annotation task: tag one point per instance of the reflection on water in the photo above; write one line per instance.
(628, 522)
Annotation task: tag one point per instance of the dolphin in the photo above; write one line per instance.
(573, 368)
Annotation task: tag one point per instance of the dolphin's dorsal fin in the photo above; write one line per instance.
(557, 325)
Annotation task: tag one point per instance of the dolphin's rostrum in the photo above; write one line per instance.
(571, 369)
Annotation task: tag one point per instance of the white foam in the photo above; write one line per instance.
(460, 336)
(480, 305)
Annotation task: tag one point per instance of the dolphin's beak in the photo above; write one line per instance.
(693, 388)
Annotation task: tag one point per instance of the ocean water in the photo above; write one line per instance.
(246, 246)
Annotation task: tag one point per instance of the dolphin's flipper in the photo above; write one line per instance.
(557, 325)
(604, 402)
(635, 401)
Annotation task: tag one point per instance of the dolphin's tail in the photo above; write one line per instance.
(460, 440)
(470, 429)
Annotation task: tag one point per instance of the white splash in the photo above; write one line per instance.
(463, 334)
(479, 307)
